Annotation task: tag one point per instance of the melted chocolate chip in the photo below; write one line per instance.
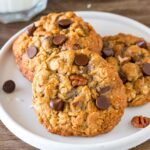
(9, 86)
(102, 102)
(57, 104)
(32, 51)
(142, 44)
(59, 39)
(30, 30)
(146, 69)
(81, 60)
(123, 77)
(65, 23)
(104, 90)
(107, 52)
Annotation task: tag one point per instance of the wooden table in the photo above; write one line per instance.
(136, 9)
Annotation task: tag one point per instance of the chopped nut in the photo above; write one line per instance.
(124, 59)
(78, 80)
(140, 121)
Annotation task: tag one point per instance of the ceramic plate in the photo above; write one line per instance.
(18, 116)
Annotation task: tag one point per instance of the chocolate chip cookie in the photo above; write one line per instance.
(50, 33)
(130, 55)
(77, 93)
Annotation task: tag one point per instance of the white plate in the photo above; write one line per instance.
(21, 119)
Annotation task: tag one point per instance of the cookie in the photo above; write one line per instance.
(130, 55)
(77, 93)
(53, 32)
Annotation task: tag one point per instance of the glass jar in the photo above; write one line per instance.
(20, 10)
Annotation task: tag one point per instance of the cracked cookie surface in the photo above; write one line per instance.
(53, 32)
(77, 93)
(130, 55)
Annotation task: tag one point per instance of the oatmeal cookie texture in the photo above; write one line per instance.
(77, 93)
(50, 33)
(130, 55)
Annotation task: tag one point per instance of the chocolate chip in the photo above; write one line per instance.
(107, 52)
(76, 46)
(146, 69)
(102, 102)
(59, 39)
(57, 104)
(81, 60)
(142, 44)
(9, 86)
(104, 90)
(32, 51)
(123, 77)
(65, 23)
(30, 30)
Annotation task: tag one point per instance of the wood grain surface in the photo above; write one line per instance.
(135, 9)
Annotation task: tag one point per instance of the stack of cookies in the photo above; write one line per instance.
(81, 82)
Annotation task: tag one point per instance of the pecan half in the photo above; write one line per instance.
(140, 121)
(78, 80)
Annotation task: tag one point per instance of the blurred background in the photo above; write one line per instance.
(22, 12)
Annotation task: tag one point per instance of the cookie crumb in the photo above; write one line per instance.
(19, 99)
(89, 6)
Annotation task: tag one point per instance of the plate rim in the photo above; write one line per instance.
(135, 138)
